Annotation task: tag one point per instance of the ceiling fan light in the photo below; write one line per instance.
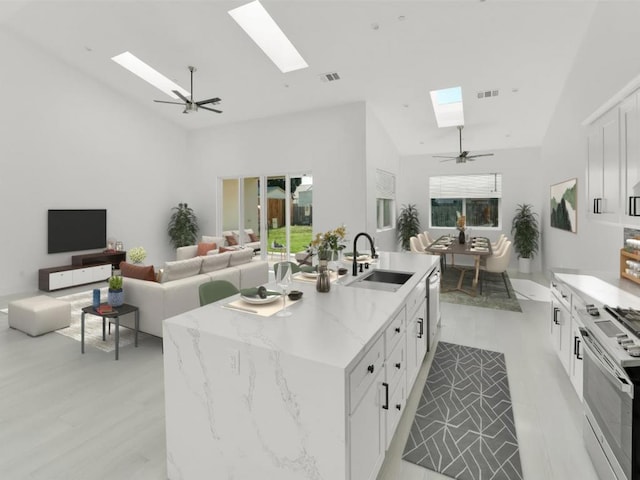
(265, 32)
(148, 74)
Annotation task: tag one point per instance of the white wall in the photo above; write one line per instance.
(381, 154)
(69, 142)
(605, 63)
(521, 183)
(328, 143)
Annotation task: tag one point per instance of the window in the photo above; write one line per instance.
(478, 197)
(385, 199)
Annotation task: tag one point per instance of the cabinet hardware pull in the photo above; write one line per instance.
(397, 329)
(386, 395)
(370, 368)
(398, 406)
(554, 285)
(398, 365)
(577, 350)
(421, 331)
(555, 315)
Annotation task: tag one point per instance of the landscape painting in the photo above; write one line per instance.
(564, 209)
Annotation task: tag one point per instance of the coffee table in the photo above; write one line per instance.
(117, 312)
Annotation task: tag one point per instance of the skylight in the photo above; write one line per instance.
(264, 31)
(148, 74)
(447, 105)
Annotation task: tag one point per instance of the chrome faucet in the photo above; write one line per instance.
(355, 252)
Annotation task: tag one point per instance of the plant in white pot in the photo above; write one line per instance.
(526, 232)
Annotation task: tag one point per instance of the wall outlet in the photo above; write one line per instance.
(234, 360)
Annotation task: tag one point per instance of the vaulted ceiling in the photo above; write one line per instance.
(387, 53)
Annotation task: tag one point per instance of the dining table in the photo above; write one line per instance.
(477, 247)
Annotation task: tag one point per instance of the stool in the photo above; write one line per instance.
(39, 315)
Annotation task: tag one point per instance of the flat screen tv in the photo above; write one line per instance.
(76, 230)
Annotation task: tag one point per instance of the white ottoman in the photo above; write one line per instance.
(38, 315)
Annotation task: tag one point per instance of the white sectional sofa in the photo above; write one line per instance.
(177, 290)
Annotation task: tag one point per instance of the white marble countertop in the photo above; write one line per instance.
(602, 291)
(331, 328)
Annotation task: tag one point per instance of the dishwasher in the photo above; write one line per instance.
(433, 300)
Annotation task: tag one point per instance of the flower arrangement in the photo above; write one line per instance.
(137, 254)
(329, 242)
(460, 222)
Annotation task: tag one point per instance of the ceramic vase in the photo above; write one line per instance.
(461, 238)
(323, 283)
(115, 298)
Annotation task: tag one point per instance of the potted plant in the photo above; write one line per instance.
(115, 295)
(183, 226)
(526, 231)
(407, 225)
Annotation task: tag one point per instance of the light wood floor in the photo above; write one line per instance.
(69, 416)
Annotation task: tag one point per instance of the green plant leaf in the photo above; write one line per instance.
(407, 225)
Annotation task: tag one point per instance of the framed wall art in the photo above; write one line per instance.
(564, 205)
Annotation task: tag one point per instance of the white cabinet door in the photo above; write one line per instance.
(101, 272)
(417, 337)
(396, 404)
(603, 167)
(367, 434)
(561, 332)
(630, 158)
(82, 275)
(576, 365)
(60, 280)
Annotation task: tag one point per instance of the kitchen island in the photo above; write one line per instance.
(316, 395)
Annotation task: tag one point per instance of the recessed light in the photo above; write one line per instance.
(136, 66)
(401, 18)
(405, 105)
(265, 32)
(375, 26)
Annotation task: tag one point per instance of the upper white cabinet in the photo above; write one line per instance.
(603, 167)
(630, 157)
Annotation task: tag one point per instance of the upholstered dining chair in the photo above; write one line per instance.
(424, 240)
(416, 245)
(496, 246)
(216, 290)
(497, 263)
(295, 268)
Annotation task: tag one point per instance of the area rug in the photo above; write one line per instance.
(93, 324)
(463, 427)
(494, 294)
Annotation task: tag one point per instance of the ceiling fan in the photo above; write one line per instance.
(188, 104)
(464, 155)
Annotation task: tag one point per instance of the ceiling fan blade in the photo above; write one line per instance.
(172, 103)
(181, 96)
(211, 109)
(444, 156)
(481, 155)
(448, 159)
(215, 101)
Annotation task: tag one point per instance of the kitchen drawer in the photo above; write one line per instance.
(60, 280)
(395, 330)
(82, 275)
(416, 296)
(396, 364)
(365, 371)
(562, 292)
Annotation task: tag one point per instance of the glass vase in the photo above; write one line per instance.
(461, 237)
(323, 282)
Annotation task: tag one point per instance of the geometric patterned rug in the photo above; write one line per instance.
(93, 324)
(463, 427)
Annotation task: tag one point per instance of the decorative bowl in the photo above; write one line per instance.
(295, 295)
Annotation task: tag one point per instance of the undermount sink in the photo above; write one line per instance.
(387, 280)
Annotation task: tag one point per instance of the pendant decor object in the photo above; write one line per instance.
(461, 237)
(115, 298)
(323, 283)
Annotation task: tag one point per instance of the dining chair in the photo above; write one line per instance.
(495, 246)
(424, 240)
(295, 268)
(497, 264)
(216, 290)
(416, 245)
(429, 238)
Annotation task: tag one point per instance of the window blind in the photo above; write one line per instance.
(486, 185)
(385, 185)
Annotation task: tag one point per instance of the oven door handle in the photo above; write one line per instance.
(620, 383)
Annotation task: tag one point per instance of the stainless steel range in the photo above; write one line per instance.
(612, 390)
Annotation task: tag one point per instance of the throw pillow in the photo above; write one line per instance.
(203, 248)
(225, 249)
(253, 237)
(231, 240)
(137, 271)
(181, 269)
